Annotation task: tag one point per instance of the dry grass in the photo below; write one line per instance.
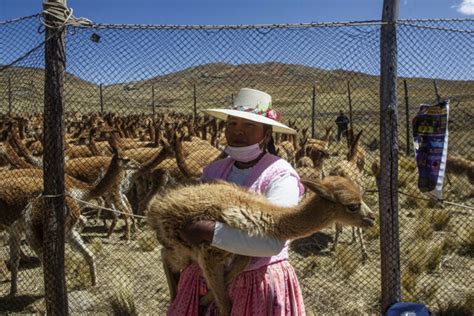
(347, 259)
(423, 256)
(466, 241)
(423, 230)
(122, 303)
(440, 219)
(373, 232)
(77, 271)
(147, 241)
(464, 307)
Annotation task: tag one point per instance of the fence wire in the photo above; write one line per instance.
(127, 87)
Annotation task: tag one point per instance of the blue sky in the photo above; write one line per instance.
(134, 55)
(219, 12)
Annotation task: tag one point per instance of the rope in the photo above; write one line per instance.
(51, 195)
(61, 16)
(104, 208)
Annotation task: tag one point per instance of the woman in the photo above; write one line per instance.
(269, 285)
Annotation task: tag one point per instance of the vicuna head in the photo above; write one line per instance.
(348, 207)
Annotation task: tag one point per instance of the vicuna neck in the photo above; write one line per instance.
(311, 215)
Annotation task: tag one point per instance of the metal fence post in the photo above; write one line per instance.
(194, 101)
(10, 100)
(350, 104)
(407, 116)
(53, 217)
(101, 98)
(313, 112)
(438, 97)
(388, 196)
(153, 101)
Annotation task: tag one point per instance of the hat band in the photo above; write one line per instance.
(269, 113)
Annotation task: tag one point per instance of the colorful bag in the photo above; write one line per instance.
(430, 137)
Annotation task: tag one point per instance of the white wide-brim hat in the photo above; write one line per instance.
(253, 105)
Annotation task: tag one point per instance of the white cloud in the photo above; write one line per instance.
(466, 7)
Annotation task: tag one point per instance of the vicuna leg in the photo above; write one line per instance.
(214, 274)
(359, 234)
(114, 220)
(126, 207)
(336, 236)
(238, 265)
(171, 277)
(76, 242)
(14, 243)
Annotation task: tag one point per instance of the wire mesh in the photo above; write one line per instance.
(127, 86)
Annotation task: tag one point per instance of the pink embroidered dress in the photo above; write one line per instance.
(269, 285)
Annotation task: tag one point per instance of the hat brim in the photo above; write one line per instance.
(222, 114)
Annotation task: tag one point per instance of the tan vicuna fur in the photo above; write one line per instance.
(350, 170)
(16, 191)
(286, 150)
(15, 160)
(191, 166)
(159, 179)
(17, 144)
(305, 168)
(335, 199)
(87, 169)
(359, 153)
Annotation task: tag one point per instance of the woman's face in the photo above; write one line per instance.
(240, 132)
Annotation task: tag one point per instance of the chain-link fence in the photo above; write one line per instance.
(126, 88)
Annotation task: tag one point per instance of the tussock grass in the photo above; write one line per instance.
(96, 246)
(418, 287)
(122, 301)
(408, 283)
(77, 271)
(423, 230)
(373, 232)
(450, 243)
(440, 219)
(406, 164)
(463, 307)
(424, 256)
(411, 202)
(347, 259)
(466, 241)
(147, 241)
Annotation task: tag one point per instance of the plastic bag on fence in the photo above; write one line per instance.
(407, 309)
(430, 137)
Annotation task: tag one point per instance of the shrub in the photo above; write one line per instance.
(440, 219)
(466, 241)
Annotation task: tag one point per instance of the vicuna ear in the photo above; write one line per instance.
(319, 188)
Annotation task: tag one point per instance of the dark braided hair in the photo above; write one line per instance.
(271, 144)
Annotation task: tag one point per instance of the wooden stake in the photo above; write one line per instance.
(388, 191)
(53, 168)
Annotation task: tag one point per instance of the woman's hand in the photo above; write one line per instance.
(198, 232)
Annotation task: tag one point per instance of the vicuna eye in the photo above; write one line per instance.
(353, 207)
